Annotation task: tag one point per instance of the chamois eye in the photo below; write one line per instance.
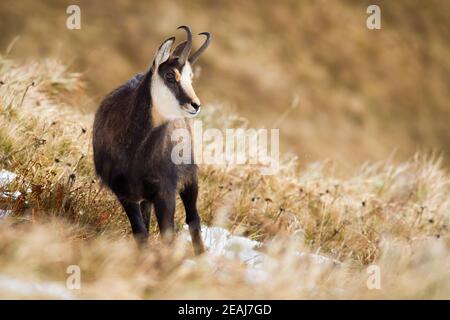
(170, 77)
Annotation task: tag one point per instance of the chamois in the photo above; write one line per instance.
(132, 142)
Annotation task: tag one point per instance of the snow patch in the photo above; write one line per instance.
(10, 195)
(33, 289)
(6, 177)
(4, 213)
(219, 242)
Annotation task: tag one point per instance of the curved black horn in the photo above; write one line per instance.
(187, 48)
(200, 50)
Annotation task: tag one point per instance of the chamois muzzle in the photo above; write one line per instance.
(196, 106)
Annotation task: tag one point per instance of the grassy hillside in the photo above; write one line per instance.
(394, 215)
(336, 89)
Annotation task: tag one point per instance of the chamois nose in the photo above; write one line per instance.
(195, 105)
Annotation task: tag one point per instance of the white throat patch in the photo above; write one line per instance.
(164, 103)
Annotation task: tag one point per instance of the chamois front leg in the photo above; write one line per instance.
(133, 212)
(146, 210)
(189, 198)
(165, 215)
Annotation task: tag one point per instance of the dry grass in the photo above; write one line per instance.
(393, 215)
(361, 93)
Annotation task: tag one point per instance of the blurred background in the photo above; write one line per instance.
(334, 88)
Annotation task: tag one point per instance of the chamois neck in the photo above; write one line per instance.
(155, 117)
(144, 113)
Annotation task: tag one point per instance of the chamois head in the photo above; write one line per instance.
(171, 85)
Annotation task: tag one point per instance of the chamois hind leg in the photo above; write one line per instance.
(146, 210)
(133, 212)
(165, 215)
(189, 198)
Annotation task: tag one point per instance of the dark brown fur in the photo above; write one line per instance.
(132, 155)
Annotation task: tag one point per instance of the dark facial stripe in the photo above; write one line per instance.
(174, 86)
(181, 96)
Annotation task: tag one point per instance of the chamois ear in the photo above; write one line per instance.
(163, 52)
(179, 49)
